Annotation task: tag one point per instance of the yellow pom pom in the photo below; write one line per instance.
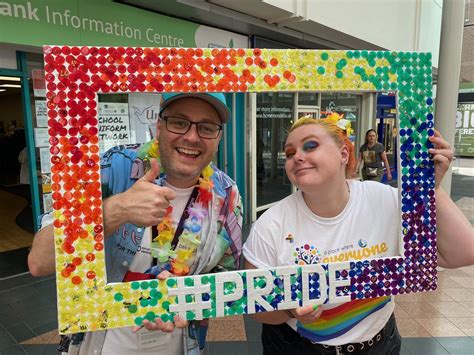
(207, 172)
(153, 151)
(333, 117)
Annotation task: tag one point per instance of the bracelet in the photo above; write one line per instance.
(288, 313)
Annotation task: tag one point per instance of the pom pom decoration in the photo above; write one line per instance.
(179, 260)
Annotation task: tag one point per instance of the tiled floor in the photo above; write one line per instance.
(12, 236)
(440, 322)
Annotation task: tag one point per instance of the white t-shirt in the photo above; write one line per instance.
(290, 233)
(123, 340)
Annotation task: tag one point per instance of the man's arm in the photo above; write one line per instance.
(41, 258)
(144, 204)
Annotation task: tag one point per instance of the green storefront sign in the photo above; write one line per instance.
(36, 23)
(102, 22)
(464, 136)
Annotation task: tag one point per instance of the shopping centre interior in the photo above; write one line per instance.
(437, 322)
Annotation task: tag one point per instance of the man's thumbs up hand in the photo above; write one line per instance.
(145, 203)
(153, 173)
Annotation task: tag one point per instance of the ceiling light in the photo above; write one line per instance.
(2, 90)
(9, 78)
(9, 86)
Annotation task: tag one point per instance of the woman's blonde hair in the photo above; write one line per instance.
(338, 135)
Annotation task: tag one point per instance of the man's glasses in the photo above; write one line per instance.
(181, 125)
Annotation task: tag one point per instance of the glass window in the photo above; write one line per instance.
(40, 126)
(308, 98)
(275, 113)
(464, 133)
(127, 118)
(123, 118)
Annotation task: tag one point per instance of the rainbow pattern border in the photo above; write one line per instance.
(76, 75)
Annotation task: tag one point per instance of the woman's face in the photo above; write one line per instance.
(371, 137)
(313, 158)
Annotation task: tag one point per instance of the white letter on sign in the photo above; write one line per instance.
(308, 270)
(333, 283)
(221, 298)
(286, 273)
(255, 294)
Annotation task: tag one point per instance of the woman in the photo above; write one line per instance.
(330, 215)
(373, 154)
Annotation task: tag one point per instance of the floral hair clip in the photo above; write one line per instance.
(340, 122)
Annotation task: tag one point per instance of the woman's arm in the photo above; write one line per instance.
(455, 235)
(359, 162)
(383, 155)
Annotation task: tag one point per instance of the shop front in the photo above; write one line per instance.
(25, 27)
(271, 116)
(464, 133)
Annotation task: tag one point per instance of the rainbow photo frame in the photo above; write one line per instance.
(74, 78)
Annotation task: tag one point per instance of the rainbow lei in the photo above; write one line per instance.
(179, 260)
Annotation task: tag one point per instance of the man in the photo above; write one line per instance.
(136, 201)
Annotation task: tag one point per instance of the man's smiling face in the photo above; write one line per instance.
(184, 156)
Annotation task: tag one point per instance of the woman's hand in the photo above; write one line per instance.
(443, 155)
(307, 314)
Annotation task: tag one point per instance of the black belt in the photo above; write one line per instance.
(352, 348)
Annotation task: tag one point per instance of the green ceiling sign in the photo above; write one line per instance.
(90, 22)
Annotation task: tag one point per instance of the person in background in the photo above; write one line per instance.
(372, 153)
(329, 216)
(184, 213)
(24, 169)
